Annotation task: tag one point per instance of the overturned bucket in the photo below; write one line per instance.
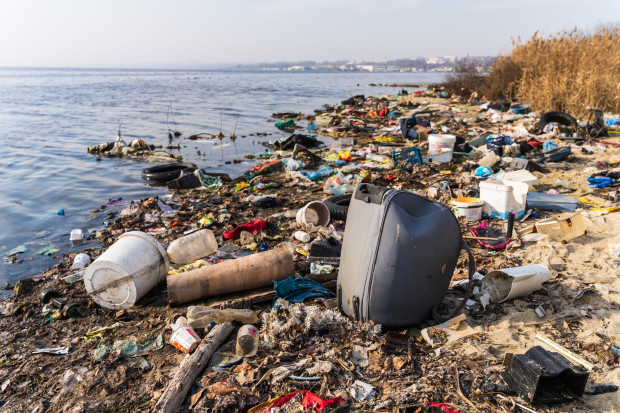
(129, 269)
(468, 207)
(315, 213)
(509, 283)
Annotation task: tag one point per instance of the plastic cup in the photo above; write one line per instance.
(247, 341)
(315, 213)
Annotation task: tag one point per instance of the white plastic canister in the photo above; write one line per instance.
(438, 142)
(129, 269)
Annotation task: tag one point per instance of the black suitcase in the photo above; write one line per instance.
(398, 256)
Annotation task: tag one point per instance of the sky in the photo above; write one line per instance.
(187, 33)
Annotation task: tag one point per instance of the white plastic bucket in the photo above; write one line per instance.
(437, 142)
(509, 283)
(470, 208)
(129, 269)
(314, 213)
(443, 156)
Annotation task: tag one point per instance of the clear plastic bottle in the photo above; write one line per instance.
(377, 158)
(191, 247)
(201, 316)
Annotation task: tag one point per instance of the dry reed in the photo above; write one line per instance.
(570, 71)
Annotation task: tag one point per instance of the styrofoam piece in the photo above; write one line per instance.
(129, 269)
(521, 176)
(563, 227)
(454, 329)
(503, 197)
(509, 283)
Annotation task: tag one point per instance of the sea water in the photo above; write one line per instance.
(48, 117)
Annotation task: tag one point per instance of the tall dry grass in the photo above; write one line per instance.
(570, 71)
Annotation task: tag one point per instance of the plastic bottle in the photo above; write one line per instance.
(200, 316)
(184, 337)
(191, 247)
(302, 236)
(75, 277)
(377, 158)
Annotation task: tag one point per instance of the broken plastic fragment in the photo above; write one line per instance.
(361, 391)
(52, 350)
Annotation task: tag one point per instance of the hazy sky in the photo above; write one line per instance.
(155, 33)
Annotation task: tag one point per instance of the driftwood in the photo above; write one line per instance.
(191, 366)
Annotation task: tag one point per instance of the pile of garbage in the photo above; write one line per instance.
(397, 254)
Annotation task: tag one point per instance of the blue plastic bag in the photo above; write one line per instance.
(323, 172)
(296, 290)
(549, 146)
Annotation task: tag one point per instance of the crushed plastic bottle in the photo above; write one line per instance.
(192, 247)
(246, 238)
(302, 236)
(201, 316)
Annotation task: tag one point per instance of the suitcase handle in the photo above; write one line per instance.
(472, 269)
(370, 193)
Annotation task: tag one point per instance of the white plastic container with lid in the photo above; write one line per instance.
(189, 248)
(503, 197)
(76, 237)
(129, 269)
(521, 175)
(437, 142)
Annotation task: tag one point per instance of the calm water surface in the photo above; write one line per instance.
(49, 116)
